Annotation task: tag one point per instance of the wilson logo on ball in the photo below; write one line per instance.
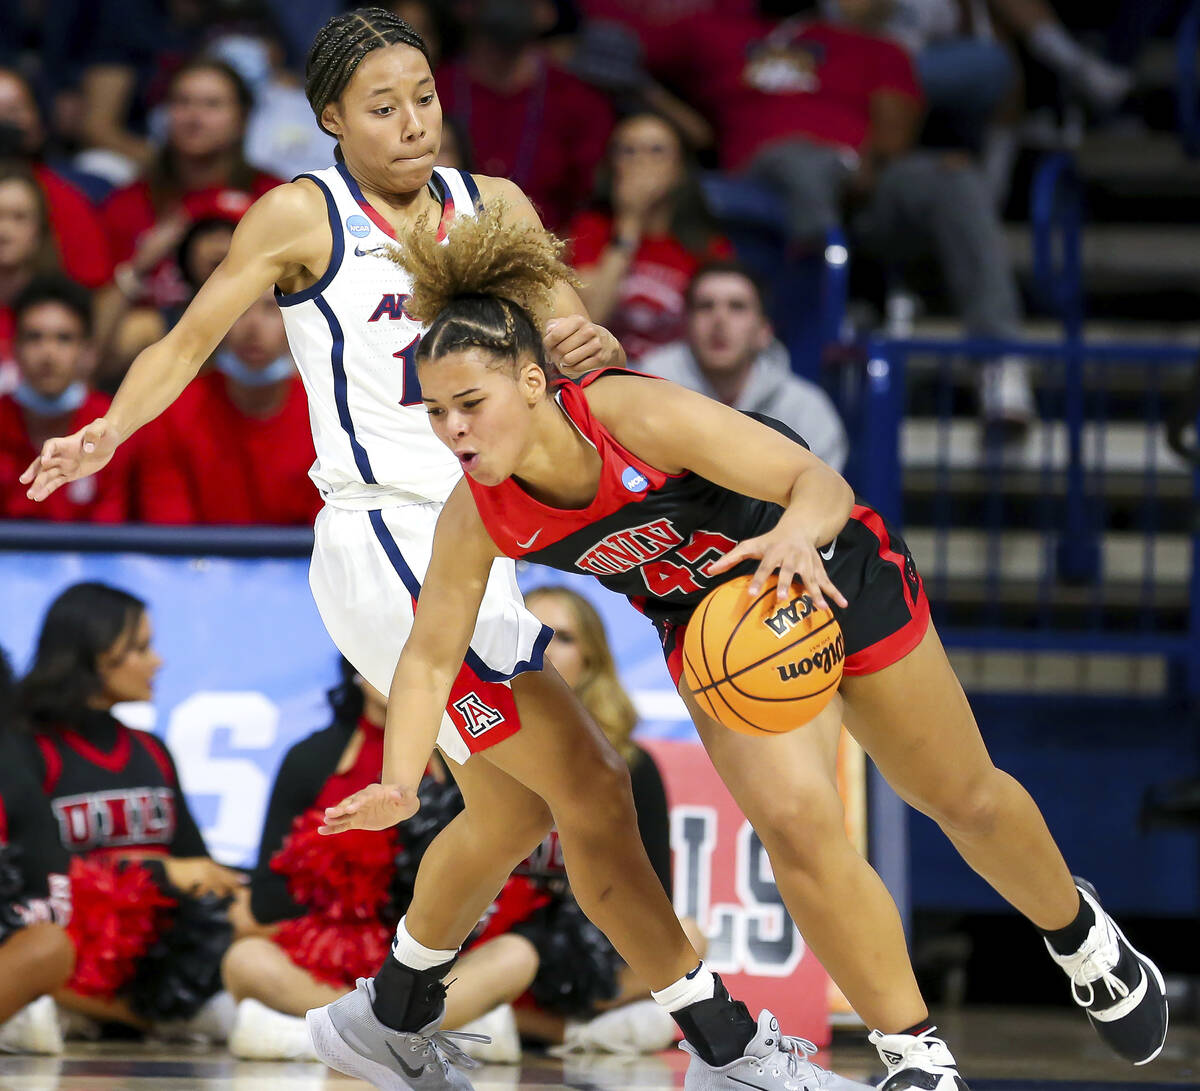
(789, 616)
(823, 659)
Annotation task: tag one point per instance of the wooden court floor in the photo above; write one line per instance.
(1003, 1050)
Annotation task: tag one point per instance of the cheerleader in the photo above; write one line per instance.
(149, 924)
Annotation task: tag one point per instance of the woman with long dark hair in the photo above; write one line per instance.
(144, 887)
(649, 232)
(200, 172)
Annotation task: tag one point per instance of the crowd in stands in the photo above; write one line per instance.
(135, 134)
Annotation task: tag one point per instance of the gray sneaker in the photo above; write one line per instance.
(772, 1062)
(347, 1036)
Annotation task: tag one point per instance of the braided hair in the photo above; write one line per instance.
(340, 46)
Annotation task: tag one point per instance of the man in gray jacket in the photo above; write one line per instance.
(732, 355)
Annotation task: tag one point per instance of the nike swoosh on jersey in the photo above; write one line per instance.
(359, 252)
(411, 1073)
(828, 556)
(536, 535)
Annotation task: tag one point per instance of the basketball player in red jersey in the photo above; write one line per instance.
(526, 752)
(661, 494)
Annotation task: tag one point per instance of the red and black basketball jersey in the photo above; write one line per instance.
(113, 789)
(649, 535)
(653, 537)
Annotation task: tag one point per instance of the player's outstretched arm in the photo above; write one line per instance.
(574, 343)
(676, 429)
(433, 655)
(279, 236)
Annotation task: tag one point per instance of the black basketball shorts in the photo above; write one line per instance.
(888, 613)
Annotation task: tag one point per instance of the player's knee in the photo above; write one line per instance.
(598, 793)
(800, 829)
(971, 805)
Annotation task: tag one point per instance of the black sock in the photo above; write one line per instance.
(718, 1029)
(1068, 940)
(917, 1029)
(407, 999)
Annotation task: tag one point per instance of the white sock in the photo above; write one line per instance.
(696, 986)
(1053, 46)
(416, 956)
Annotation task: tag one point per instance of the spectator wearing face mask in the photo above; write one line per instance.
(53, 350)
(236, 446)
(528, 119)
(731, 354)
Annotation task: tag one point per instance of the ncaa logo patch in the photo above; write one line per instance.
(634, 480)
(358, 226)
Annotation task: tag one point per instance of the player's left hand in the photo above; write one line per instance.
(576, 345)
(793, 555)
(376, 807)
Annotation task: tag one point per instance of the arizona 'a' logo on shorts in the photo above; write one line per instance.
(478, 716)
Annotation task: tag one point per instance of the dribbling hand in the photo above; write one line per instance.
(793, 559)
(70, 458)
(376, 807)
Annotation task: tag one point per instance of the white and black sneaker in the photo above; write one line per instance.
(1121, 990)
(771, 1062)
(917, 1061)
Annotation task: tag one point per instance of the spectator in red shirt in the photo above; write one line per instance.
(53, 351)
(826, 114)
(73, 220)
(528, 119)
(200, 171)
(236, 446)
(637, 251)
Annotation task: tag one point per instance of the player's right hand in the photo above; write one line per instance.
(70, 458)
(376, 807)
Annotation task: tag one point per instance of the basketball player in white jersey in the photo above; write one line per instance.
(384, 476)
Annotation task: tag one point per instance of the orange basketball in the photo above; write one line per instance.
(758, 666)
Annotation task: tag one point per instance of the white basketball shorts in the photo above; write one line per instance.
(366, 573)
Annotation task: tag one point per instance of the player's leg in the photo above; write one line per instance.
(562, 755)
(468, 862)
(914, 720)
(786, 786)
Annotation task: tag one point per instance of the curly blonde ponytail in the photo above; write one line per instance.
(486, 287)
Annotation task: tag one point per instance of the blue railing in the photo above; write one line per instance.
(1081, 538)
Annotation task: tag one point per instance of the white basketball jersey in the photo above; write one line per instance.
(355, 348)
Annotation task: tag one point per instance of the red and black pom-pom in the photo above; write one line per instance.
(119, 912)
